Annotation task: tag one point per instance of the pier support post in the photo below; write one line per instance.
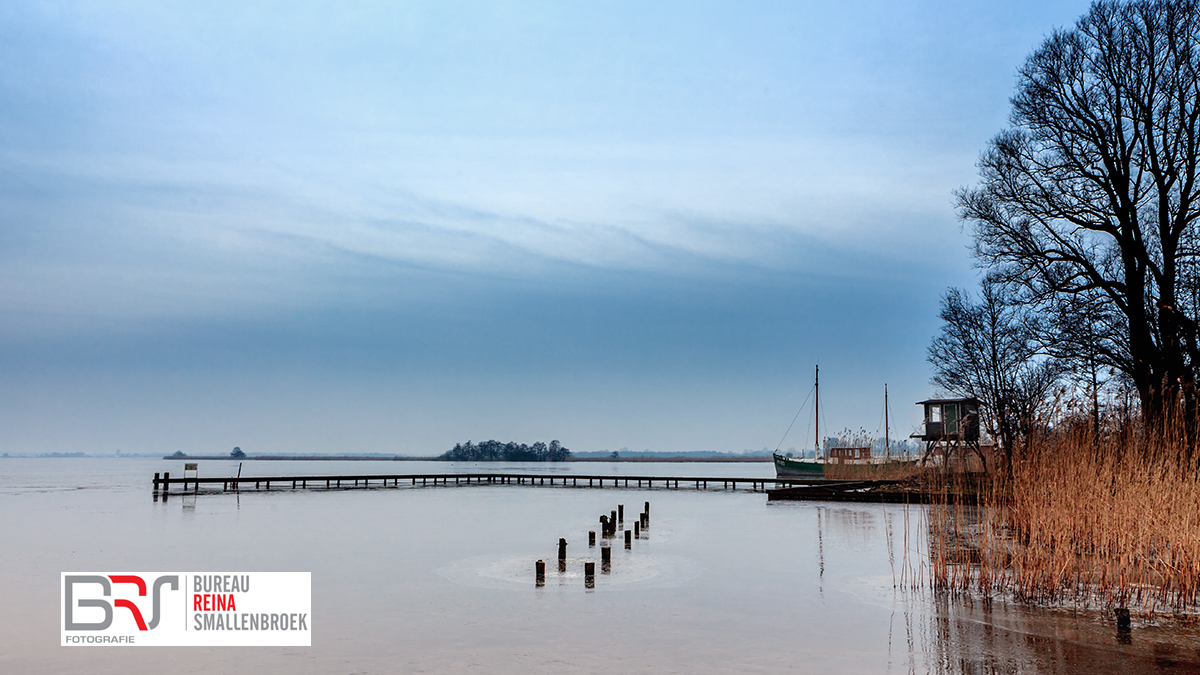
(605, 559)
(612, 523)
(628, 539)
(541, 572)
(636, 533)
(620, 513)
(589, 574)
(155, 482)
(562, 548)
(166, 482)
(604, 526)
(591, 538)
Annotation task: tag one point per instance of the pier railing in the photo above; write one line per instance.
(193, 485)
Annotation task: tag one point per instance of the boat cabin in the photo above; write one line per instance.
(949, 419)
(838, 455)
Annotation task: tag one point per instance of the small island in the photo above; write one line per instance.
(495, 451)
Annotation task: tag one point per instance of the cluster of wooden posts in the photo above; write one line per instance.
(609, 526)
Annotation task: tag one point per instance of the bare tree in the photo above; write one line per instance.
(1088, 202)
(986, 351)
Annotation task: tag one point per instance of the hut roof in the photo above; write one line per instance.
(950, 400)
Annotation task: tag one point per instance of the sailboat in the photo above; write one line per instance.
(799, 467)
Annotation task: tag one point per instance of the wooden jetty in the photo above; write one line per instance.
(868, 492)
(216, 484)
(844, 491)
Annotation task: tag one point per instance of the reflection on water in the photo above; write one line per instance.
(443, 580)
(969, 638)
(957, 634)
(630, 571)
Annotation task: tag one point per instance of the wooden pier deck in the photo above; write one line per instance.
(216, 484)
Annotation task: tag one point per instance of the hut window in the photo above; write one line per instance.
(935, 413)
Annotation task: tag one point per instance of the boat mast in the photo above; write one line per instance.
(817, 413)
(887, 445)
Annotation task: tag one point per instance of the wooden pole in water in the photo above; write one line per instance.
(620, 513)
(541, 572)
(636, 533)
(628, 539)
(562, 548)
(592, 538)
(1122, 618)
(166, 481)
(612, 523)
(604, 526)
(589, 569)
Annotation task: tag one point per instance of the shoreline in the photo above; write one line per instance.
(405, 458)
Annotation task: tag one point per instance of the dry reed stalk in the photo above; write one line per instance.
(1091, 519)
(895, 470)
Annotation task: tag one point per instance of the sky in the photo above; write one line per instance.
(323, 227)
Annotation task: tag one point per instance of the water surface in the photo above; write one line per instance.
(440, 579)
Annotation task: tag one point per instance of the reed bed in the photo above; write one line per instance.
(897, 469)
(1090, 519)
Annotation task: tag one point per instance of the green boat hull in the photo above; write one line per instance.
(794, 467)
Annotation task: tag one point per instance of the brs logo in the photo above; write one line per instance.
(106, 584)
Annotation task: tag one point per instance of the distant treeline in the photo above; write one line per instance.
(495, 451)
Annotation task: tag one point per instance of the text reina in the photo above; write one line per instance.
(210, 602)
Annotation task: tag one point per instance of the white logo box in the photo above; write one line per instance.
(167, 609)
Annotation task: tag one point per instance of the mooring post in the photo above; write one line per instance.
(589, 572)
(541, 572)
(636, 533)
(1122, 618)
(166, 481)
(628, 539)
(604, 526)
(562, 548)
(620, 513)
(591, 538)
(612, 523)
(156, 482)
(605, 559)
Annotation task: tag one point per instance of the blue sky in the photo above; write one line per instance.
(310, 227)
